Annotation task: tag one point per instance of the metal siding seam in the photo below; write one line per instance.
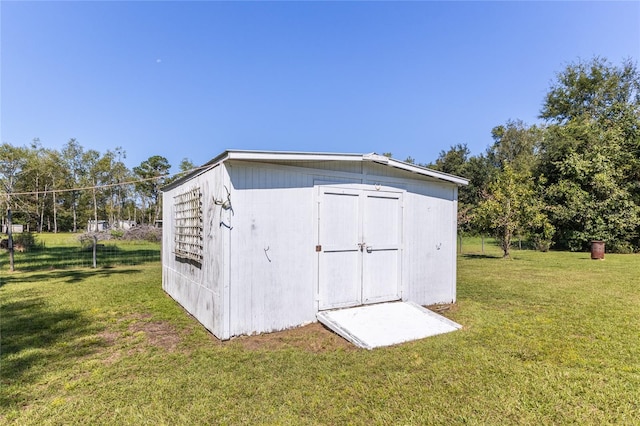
(454, 251)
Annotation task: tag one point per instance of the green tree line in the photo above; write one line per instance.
(63, 190)
(567, 181)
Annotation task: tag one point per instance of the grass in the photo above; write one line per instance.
(548, 338)
(64, 250)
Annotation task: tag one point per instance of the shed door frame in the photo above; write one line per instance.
(352, 271)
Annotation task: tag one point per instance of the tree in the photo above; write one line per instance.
(453, 161)
(478, 170)
(117, 192)
(98, 177)
(72, 154)
(588, 191)
(590, 156)
(509, 207)
(35, 182)
(595, 89)
(12, 163)
(55, 172)
(153, 173)
(185, 166)
(515, 144)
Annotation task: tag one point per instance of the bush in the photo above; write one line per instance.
(26, 240)
(542, 244)
(117, 233)
(621, 247)
(21, 242)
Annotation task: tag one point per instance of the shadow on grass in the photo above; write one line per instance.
(35, 338)
(481, 256)
(70, 276)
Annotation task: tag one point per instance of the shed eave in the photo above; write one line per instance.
(249, 155)
(291, 156)
(427, 172)
(197, 171)
(326, 156)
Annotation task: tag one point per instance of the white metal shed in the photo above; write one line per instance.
(259, 241)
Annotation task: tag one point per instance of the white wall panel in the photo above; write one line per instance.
(272, 249)
(430, 249)
(197, 286)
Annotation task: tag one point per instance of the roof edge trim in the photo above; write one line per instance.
(248, 155)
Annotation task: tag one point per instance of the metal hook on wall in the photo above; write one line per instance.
(265, 253)
(226, 204)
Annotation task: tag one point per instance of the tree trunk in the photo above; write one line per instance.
(506, 244)
(37, 204)
(156, 213)
(10, 237)
(55, 214)
(95, 245)
(41, 224)
(74, 208)
(95, 207)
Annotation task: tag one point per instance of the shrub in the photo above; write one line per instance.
(24, 241)
(117, 233)
(621, 247)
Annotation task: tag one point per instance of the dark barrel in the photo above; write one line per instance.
(597, 250)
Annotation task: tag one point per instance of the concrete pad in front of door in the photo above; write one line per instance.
(386, 324)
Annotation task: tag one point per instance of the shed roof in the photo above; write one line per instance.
(248, 155)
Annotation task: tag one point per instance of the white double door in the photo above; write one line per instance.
(359, 246)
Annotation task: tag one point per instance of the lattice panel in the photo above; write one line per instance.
(188, 225)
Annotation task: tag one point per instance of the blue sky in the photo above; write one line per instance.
(191, 79)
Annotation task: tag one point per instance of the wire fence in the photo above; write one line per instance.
(107, 254)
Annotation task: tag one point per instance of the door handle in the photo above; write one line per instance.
(369, 249)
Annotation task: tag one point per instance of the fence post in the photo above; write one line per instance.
(95, 244)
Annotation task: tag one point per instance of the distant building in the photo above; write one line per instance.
(103, 225)
(16, 228)
(124, 224)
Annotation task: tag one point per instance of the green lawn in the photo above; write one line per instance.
(548, 338)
